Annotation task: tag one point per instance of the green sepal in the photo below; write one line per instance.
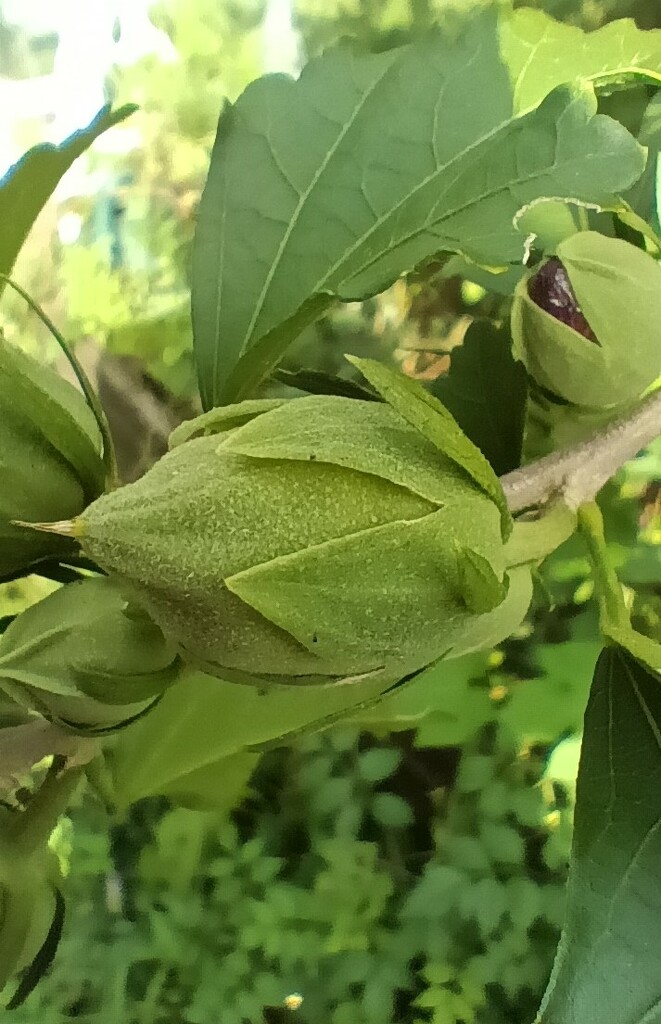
(618, 287)
(488, 630)
(481, 588)
(424, 412)
(218, 420)
(83, 729)
(368, 437)
(269, 553)
(533, 539)
(318, 599)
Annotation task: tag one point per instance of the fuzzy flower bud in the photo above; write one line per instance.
(310, 541)
(86, 657)
(586, 324)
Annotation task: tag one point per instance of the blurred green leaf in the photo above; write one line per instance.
(607, 967)
(642, 197)
(378, 763)
(475, 772)
(541, 709)
(503, 844)
(440, 702)
(500, 282)
(524, 901)
(391, 810)
(439, 889)
(486, 902)
(31, 181)
(486, 390)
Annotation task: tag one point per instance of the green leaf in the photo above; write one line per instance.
(503, 844)
(31, 181)
(391, 811)
(317, 382)
(541, 53)
(202, 720)
(486, 901)
(607, 966)
(486, 390)
(444, 722)
(218, 420)
(424, 412)
(336, 184)
(642, 196)
(378, 763)
(218, 786)
(541, 709)
(481, 589)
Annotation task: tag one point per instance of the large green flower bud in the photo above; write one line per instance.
(86, 657)
(50, 461)
(586, 324)
(310, 541)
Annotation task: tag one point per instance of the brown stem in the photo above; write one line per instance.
(578, 473)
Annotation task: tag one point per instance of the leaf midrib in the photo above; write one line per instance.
(304, 196)
(322, 282)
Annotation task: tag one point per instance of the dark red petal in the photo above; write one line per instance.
(550, 289)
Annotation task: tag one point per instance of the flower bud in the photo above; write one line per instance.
(86, 657)
(50, 461)
(586, 324)
(28, 899)
(318, 540)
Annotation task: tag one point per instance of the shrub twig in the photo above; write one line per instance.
(578, 473)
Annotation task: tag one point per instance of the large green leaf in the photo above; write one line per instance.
(336, 184)
(32, 180)
(607, 967)
(202, 720)
(541, 53)
(486, 392)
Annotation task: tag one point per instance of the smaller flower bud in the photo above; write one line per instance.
(86, 657)
(586, 323)
(50, 458)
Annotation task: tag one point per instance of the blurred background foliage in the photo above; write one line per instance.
(407, 865)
